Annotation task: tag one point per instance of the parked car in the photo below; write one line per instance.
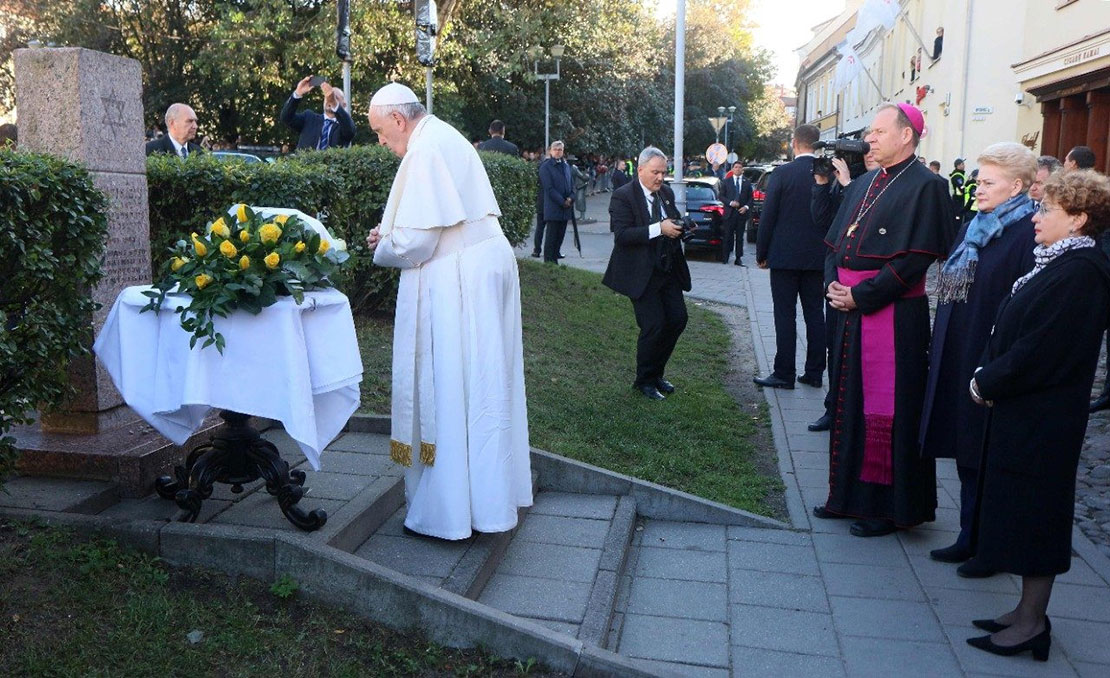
(705, 209)
(236, 155)
(759, 176)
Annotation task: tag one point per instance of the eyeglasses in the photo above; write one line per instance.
(1042, 209)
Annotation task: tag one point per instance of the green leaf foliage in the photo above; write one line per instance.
(346, 187)
(53, 229)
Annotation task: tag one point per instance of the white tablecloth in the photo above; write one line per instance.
(298, 364)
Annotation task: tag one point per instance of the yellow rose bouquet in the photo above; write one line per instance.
(243, 262)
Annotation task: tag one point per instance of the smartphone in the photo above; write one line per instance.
(317, 80)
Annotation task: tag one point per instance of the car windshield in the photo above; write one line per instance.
(752, 174)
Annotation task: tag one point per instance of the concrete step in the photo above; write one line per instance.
(563, 567)
(358, 486)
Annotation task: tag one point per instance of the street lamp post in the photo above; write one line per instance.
(721, 112)
(557, 54)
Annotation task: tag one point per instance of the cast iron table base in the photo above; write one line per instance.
(236, 456)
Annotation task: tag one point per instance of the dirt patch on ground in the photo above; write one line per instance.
(738, 383)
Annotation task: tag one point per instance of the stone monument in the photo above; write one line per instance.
(86, 106)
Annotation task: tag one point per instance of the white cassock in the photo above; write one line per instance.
(460, 421)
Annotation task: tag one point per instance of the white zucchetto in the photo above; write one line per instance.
(392, 94)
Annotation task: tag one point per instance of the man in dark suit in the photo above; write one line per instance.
(620, 176)
(738, 197)
(558, 200)
(333, 128)
(496, 141)
(181, 129)
(648, 266)
(793, 247)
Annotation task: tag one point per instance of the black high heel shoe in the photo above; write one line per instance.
(1038, 644)
(994, 627)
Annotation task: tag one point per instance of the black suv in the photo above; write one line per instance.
(705, 209)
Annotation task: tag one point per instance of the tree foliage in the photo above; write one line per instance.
(236, 61)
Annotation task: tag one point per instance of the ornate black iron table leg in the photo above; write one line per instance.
(236, 456)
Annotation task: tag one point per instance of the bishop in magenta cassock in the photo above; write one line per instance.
(459, 419)
(893, 224)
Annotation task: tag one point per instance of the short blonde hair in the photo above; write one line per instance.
(1082, 192)
(1017, 161)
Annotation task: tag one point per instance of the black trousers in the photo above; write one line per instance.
(787, 286)
(733, 229)
(553, 240)
(537, 243)
(969, 490)
(661, 317)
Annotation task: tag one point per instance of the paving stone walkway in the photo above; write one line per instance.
(710, 600)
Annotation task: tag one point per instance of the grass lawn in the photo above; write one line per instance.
(70, 607)
(579, 362)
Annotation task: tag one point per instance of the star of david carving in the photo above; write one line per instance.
(113, 113)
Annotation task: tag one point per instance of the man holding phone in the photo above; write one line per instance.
(334, 128)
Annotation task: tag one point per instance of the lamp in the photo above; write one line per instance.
(557, 51)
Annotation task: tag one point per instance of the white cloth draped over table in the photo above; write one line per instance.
(460, 418)
(298, 364)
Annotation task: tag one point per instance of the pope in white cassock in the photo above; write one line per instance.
(460, 422)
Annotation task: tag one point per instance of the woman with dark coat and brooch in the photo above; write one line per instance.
(995, 249)
(1036, 377)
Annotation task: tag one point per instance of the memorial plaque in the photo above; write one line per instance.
(86, 106)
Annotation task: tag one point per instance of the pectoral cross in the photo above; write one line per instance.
(852, 229)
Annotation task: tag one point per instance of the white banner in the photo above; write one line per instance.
(872, 14)
(847, 68)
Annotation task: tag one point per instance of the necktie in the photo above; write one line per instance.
(656, 212)
(184, 152)
(325, 134)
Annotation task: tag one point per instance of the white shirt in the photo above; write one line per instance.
(176, 146)
(655, 229)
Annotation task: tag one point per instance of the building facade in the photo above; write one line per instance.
(1031, 71)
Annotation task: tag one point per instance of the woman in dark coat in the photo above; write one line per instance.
(996, 248)
(1036, 377)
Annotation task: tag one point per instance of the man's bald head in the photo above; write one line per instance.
(181, 123)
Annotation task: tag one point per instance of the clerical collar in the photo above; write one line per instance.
(896, 168)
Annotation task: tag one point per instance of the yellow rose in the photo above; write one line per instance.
(324, 247)
(269, 233)
(281, 218)
(227, 249)
(178, 262)
(244, 236)
(199, 247)
(202, 280)
(244, 262)
(220, 228)
(272, 260)
(299, 247)
(241, 213)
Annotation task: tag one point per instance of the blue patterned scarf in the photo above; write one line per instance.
(959, 270)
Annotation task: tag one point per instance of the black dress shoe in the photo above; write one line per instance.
(872, 528)
(1100, 403)
(825, 514)
(950, 554)
(992, 626)
(822, 424)
(1038, 645)
(973, 569)
(562, 256)
(651, 392)
(537, 255)
(738, 262)
(772, 381)
(815, 382)
(664, 386)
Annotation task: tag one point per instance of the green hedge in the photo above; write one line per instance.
(53, 228)
(347, 186)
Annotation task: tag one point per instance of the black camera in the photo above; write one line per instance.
(850, 151)
(688, 227)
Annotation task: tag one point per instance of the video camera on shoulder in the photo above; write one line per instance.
(849, 150)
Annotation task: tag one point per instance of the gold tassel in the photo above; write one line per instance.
(401, 453)
(428, 454)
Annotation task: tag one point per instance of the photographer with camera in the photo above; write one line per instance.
(792, 245)
(648, 266)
